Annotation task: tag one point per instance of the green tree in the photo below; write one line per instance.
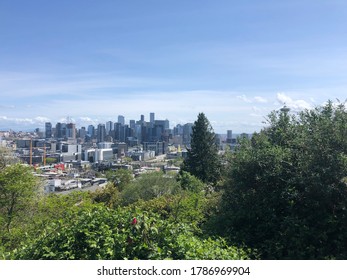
(190, 182)
(120, 178)
(287, 191)
(109, 196)
(18, 194)
(6, 157)
(149, 186)
(18, 186)
(202, 160)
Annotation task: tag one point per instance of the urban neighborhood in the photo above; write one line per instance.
(69, 157)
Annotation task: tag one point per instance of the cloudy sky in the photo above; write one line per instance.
(236, 61)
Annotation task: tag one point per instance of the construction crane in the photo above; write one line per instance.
(31, 153)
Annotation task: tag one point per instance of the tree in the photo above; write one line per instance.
(287, 192)
(190, 182)
(6, 157)
(202, 160)
(120, 178)
(149, 186)
(17, 188)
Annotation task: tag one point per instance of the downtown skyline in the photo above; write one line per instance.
(234, 61)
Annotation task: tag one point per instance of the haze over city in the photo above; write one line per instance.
(236, 61)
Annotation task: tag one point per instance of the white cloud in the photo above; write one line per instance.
(244, 98)
(179, 107)
(41, 119)
(296, 105)
(260, 99)
(256, 99)
(22, 123)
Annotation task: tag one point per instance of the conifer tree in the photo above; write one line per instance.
(202, 160)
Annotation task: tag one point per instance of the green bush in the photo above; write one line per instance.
(101, 233)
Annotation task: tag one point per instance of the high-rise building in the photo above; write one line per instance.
(109, 127)
(187, 132)
(48, 130)
(101, 133)
(60, 130)
(229, 136)
(71, 130)
(91, 131)
(121, 120)
(132, 124)
(117, 131)
(82, 132)
(151, 118)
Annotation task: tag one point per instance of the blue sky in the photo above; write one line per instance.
(236, 61)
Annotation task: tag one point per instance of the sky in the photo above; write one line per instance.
(235, 61)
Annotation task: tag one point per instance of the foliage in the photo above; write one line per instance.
(202, 160)
(6, 157)
(51, 160)
(149, 186)
(101, 233)
(18, 186)
(176, 161)
(286, 194)
(109, 196)
(56, 206)
(184, 207)
(120, 178)
(39, 213)
(190, 182)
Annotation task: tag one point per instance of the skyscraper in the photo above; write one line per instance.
(101, 133)
(48, 130)
(132, 124)
(121, 120)
(109, 127)
(151, 118)
(91, 131)
(60, 130)
(71, 130)
(229, 136)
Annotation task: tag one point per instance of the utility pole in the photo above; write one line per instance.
(31, 152)
(44, 154)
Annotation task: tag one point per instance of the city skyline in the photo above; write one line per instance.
(234, 61)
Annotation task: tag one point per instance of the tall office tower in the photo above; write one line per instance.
(121, 120)
(117, 129)
(82, 133)
(123, 133)
(71, 130)
(142, 118)
(187, 131)
(101, 133)
(229, 136)
(132, 124)
(60, 130)
(91, 131)
(57, 130)
(109, 127)
(178, 130)
(151, 118)
(48, 130)
(167, 124)
(138, 132)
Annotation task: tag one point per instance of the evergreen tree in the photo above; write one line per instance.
(202, 160)
(287, 189)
